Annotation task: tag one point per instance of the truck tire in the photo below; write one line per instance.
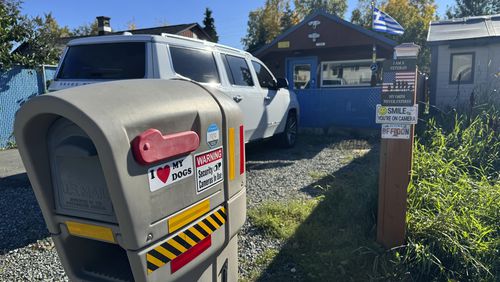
(288, 137)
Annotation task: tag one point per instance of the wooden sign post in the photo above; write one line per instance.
(397, 114)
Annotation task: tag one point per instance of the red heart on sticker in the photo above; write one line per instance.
(163, 173)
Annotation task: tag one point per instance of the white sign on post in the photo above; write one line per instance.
(397, 115)
(396, 131)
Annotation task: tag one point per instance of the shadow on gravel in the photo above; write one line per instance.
(21, 221)
(337, 241)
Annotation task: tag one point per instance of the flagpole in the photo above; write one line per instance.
(373, 10)
(374, 53)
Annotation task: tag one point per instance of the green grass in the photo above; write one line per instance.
(10, 145)
(317, 175)
(454, 202)
(453, 218)
(281, 220)
(262, 261)
(323, 235)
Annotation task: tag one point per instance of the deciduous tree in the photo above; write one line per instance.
(131, 25)
(41, 44)
(14, 29)
(415, 17)
(264, 24)
(33, 38)
(86, 29)
(305, 7)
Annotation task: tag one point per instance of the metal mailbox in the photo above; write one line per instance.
(138, 180)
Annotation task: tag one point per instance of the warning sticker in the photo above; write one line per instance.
(209, 170)
(165, 174)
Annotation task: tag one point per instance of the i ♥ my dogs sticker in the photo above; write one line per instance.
(165, 174)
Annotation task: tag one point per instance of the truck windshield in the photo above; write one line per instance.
(104, 61)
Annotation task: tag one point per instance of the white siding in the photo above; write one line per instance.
(486, 70)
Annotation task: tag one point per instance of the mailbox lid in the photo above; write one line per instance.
(79, 185)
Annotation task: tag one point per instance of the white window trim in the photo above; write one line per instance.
(345, 62)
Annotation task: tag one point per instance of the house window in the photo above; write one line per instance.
(462, 68)
(301, 76)
(347, 73)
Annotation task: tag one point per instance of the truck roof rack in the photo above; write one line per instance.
(204, 42)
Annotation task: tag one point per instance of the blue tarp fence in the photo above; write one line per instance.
(17, 86)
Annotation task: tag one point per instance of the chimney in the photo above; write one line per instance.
(103, 26)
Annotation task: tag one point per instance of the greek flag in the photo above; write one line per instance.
(385, 23)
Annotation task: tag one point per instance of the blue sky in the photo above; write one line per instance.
(230, 16)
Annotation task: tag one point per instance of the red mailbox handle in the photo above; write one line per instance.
(151, 146)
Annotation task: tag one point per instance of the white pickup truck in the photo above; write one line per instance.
(269, 108)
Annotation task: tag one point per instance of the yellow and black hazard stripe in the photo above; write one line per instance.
(172, 248)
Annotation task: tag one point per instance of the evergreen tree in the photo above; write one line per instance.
(289, 18)
(209, 25)
(470, 8)
(362, 15)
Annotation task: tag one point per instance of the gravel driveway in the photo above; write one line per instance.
(27, 253)
(280, 175)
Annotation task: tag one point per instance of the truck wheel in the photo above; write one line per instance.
(288, 138)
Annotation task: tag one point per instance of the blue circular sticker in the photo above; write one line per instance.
(212, 135)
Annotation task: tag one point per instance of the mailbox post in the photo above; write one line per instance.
(397, 114)
(139, 180)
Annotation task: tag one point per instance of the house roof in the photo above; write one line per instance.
(334, 18)
(172, 29)
(464, 28)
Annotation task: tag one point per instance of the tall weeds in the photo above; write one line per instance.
(453, 214)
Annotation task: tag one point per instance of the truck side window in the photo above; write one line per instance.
(198, 65)
(266, 80)
(125, 60)
(239, 71)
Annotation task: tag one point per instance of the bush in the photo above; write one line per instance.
(454, 201)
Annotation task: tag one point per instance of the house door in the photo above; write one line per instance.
(301, 73)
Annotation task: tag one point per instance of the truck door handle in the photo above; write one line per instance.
(237, 98)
